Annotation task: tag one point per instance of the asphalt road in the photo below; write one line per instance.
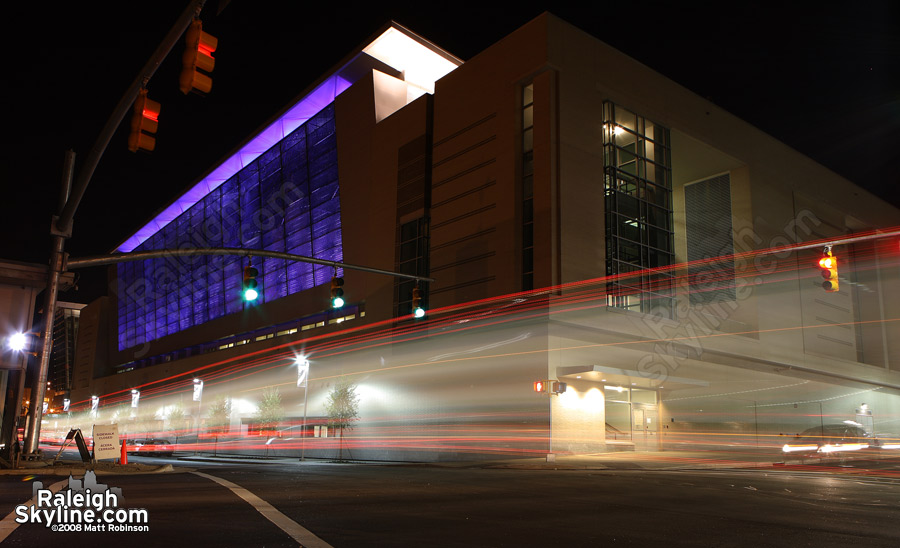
(348, 505)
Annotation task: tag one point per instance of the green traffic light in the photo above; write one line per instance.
(250, 284)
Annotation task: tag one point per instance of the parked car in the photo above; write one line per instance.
(830, 438)
(150, 446)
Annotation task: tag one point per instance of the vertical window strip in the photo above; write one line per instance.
(638, 200)
(413, 259)
(527, 187)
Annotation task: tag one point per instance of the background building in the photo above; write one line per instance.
(19, 285)
(584, 218)
(62, 358)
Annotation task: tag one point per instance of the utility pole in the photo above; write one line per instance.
(61, 225)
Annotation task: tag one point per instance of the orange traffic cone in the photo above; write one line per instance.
(124, 458)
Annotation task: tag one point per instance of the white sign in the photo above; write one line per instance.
(302, 374)
(135, 397)
(198, 389)
(106, 441)
(66, 403)
(95, 403)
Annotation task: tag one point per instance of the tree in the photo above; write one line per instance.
(342, 407)
(220, 414)
(219, 418)
(175, 418)
(270, 411)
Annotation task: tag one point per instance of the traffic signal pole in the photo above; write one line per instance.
(61, 225)
(100, 260)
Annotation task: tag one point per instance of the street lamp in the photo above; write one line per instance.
(17, 341)
(198, 397)
(303, 381)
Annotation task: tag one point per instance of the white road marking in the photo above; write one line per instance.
(8, 525)
(299, 533)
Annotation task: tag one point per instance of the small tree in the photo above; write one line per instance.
(270, 411)
(220, 414)
(175, 419)
(219, 418)
(342, 407)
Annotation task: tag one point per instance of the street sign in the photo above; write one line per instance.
(106, 441)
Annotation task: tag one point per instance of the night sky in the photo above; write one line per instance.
(824, 80)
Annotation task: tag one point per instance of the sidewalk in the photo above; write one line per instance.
(77, 468)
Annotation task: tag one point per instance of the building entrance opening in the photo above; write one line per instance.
(632, 419)
(646, 430)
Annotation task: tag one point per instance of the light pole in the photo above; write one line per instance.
(70, 197)
(303, 381)
(198, 397)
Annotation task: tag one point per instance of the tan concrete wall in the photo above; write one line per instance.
(476, 224)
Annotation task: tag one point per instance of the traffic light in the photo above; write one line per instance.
(144, 123)
(828, 268)
(198, 49)
(417, 309)
(249, 291)
(539, 386)
(337, 293)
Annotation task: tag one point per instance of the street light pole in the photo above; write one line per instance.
(198, 397)
(61, 225)
(39, 382)
(303, 378)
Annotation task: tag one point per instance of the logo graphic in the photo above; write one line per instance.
(84, 505)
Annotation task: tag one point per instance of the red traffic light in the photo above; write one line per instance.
(144, 123)
(198, 49)
(539, 386)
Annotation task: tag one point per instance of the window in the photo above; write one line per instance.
(528, 187)
(707, 208)
(638, 200)
(285, 200)
(413, 259)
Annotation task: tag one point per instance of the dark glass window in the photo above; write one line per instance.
(528, 187)
(413, 259)
(638, 189)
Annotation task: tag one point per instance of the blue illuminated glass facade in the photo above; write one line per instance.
(285, 200)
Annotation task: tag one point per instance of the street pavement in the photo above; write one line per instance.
(748, 499)
(620, 460)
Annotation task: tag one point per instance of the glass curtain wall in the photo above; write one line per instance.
(638, 194)
(285, 200)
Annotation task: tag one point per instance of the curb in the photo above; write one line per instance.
(76, 470)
